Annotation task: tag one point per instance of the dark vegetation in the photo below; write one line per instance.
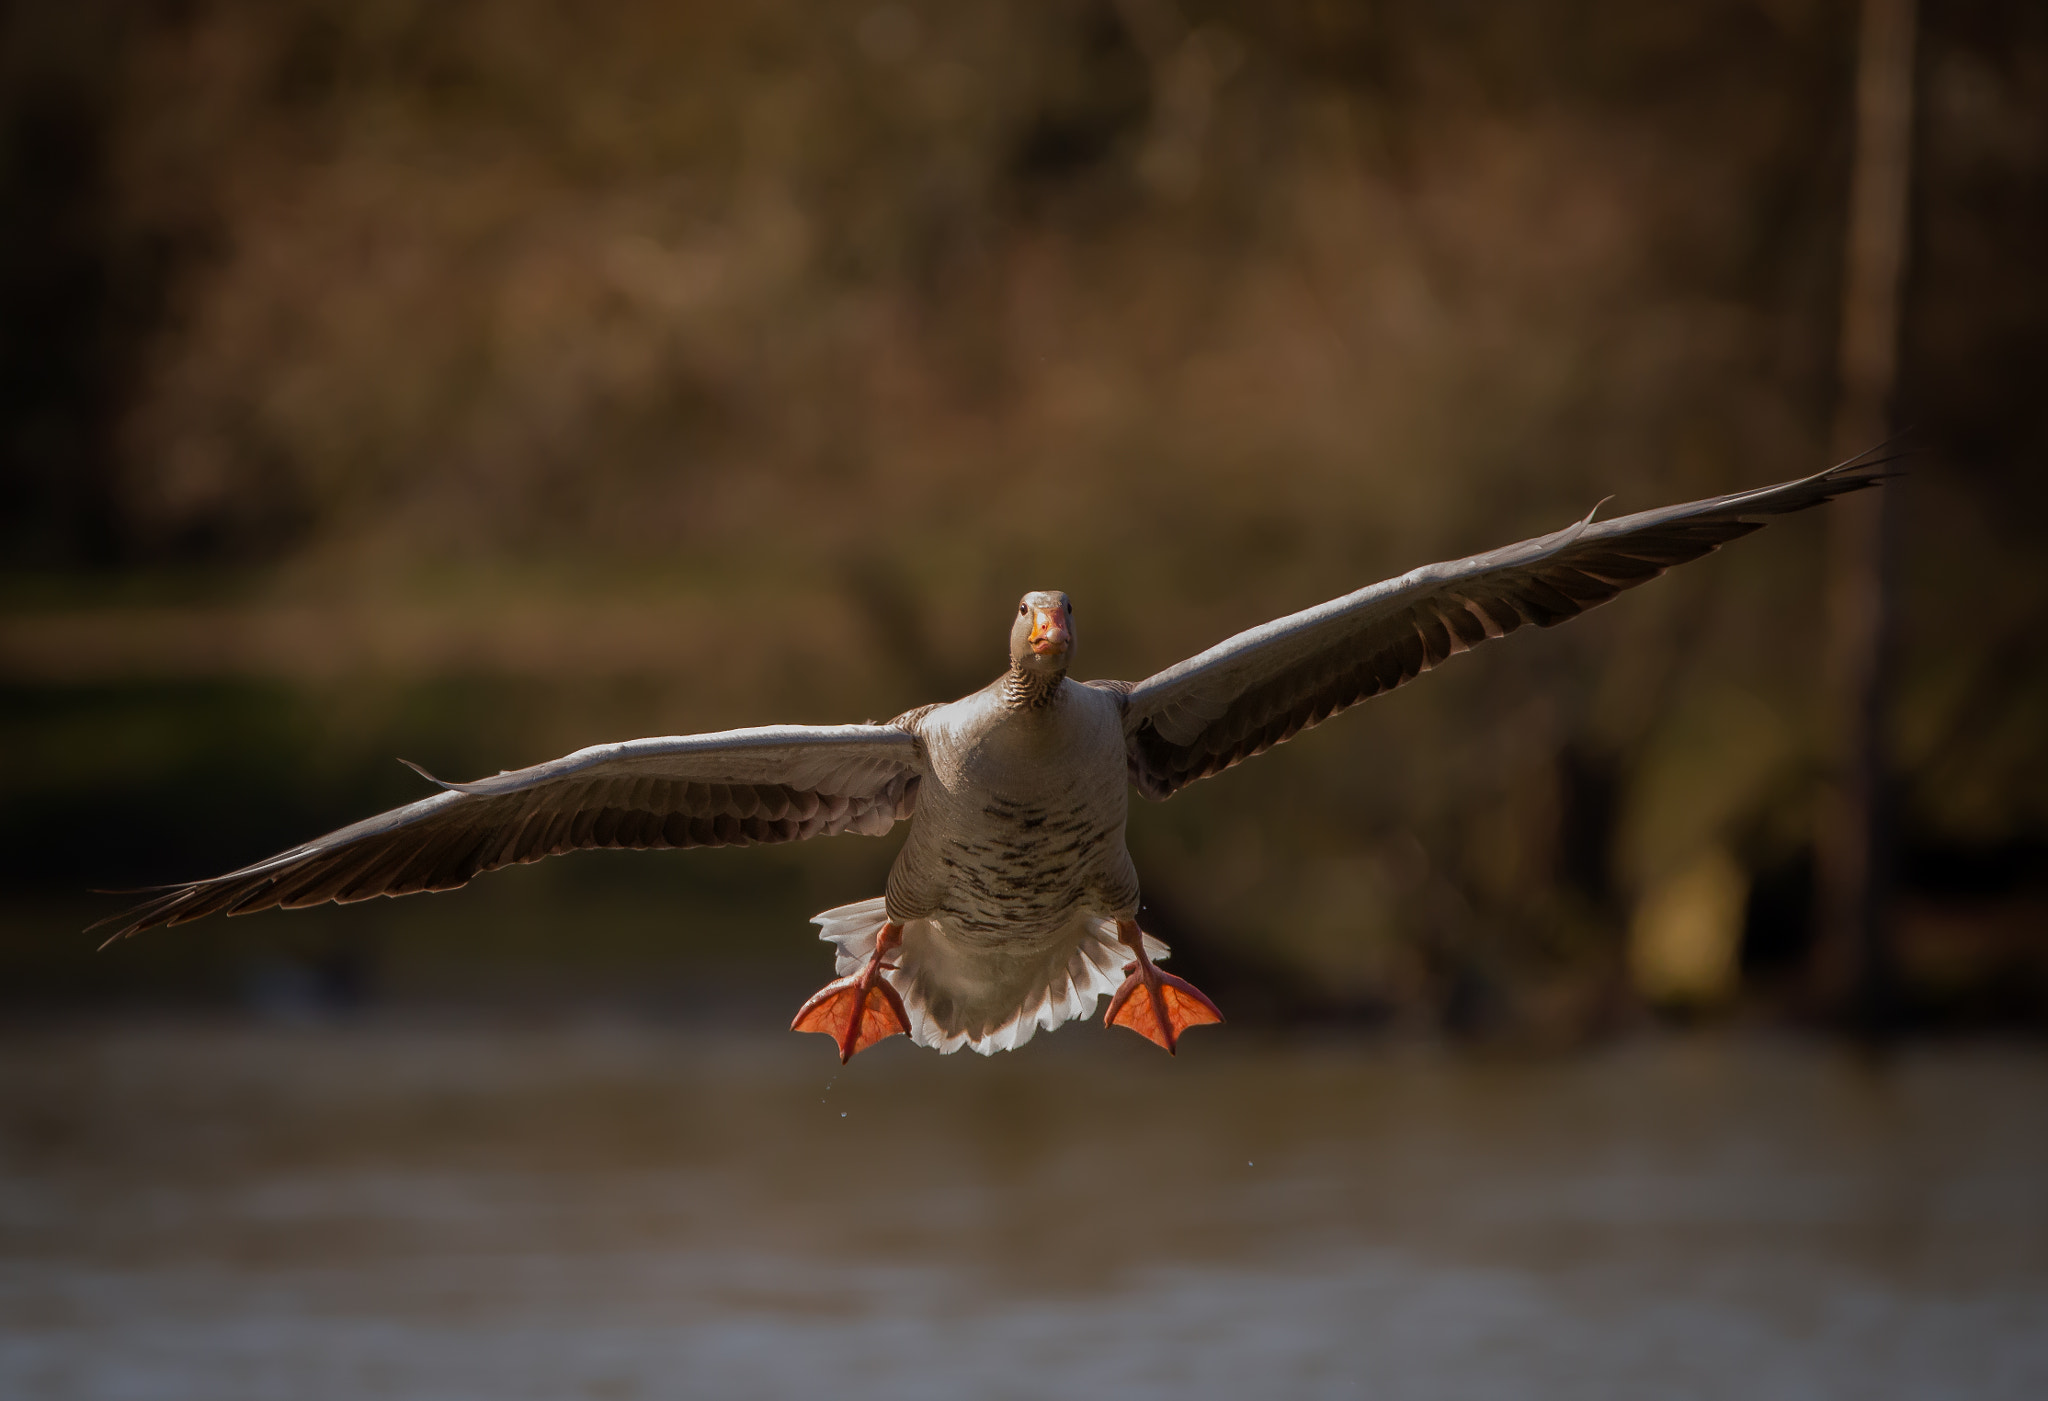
(477, 381)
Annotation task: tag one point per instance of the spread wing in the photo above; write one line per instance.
(1265, 686)
(778, 783)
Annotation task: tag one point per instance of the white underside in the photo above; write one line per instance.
(1052, 980)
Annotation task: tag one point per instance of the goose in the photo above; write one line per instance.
(1013, 904)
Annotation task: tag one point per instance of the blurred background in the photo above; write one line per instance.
(473, 382)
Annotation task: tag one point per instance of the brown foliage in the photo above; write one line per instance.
(844, 323)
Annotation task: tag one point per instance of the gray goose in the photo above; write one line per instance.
(1013, 903)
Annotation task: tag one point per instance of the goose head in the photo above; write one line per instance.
(1042, 637)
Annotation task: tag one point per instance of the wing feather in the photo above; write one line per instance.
(778, 783)
(1266, 685)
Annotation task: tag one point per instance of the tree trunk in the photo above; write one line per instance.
(1854, 966)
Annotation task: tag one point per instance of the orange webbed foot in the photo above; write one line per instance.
(1159, 1006)
(861, 1009)
(854, 1016)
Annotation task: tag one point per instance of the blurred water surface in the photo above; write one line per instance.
(618, 1210)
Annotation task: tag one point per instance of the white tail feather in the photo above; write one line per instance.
(1094, 969)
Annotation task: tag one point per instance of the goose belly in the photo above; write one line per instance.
(1028, 868)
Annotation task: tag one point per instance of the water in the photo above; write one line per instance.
(616, 1211)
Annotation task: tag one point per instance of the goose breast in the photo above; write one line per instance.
(1020, 817)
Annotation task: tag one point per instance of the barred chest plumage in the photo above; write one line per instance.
(1020, 817)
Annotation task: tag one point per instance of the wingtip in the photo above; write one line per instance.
(134, 919)
(1848, 479)
(117, 916)
(123, 918)
(1871, 465)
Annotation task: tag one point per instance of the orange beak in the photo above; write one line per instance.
(1049, 634)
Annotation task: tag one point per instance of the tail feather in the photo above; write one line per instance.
(1059, 992)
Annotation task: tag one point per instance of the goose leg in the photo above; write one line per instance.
(1156, 1005)
(860, 1009)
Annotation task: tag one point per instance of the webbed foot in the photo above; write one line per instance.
(860, 1009)
(1158, 1006)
